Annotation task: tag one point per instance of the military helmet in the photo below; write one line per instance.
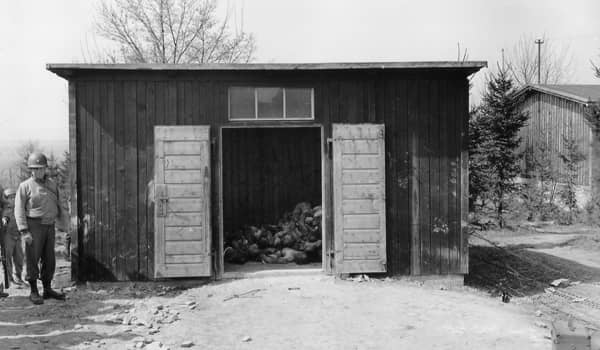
(9, 192)
(37, 160)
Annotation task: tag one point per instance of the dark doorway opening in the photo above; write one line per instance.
(267, 174)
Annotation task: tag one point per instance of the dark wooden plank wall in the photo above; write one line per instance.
(267, 171)
(424, 114)
(551, 117)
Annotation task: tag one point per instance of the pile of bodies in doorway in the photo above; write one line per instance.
(295, 238)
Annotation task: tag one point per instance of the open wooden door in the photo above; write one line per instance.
(359, 198)
(182, 201)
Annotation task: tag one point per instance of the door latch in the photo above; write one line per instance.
(162, 199)
(329, 147)
(162, 206)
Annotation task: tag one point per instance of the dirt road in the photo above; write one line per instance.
(293, 312)
(526, 262)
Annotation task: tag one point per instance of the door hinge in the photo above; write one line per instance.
(329, 147)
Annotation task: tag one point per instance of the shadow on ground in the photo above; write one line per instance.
(80, 321)
(521, 272)
(56, 324)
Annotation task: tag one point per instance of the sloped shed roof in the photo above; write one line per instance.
(578, 93)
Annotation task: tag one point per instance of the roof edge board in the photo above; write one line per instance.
(561, 94)
(65, 70)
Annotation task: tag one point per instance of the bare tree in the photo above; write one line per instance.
(556, 62)
(171, 31)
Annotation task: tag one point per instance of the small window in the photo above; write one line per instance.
(241, 103)
(270, 103)
(298, 103)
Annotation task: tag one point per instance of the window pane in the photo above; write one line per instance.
(270, 103)
(241, 103)
(298, 103)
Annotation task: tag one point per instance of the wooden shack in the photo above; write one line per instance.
(557, 115)
(168, 157)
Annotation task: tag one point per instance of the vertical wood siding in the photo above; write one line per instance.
(424, 115)
(551, 118)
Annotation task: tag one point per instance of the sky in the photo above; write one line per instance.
(33, 101)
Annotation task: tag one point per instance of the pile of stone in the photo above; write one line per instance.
(143, 315)
(295, 238)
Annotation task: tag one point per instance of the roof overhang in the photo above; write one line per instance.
(562, 94)
(68, 70)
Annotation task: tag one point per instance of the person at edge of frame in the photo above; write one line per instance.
(12, 239)
(36, 210)
(3, 204)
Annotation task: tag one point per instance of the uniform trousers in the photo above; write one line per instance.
(14, 254)
(41, 249)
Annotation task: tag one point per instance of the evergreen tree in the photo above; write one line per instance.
(501, 120)
(593, 119)
(571, 158)
(478, 166)
(63, 179)
(543, 177)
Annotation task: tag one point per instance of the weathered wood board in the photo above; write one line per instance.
(182, 212)
(359, 198)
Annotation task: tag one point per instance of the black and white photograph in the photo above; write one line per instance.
(268, 174)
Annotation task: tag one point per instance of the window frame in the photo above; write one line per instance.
(284, 112)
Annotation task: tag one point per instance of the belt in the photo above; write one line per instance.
(37, 219)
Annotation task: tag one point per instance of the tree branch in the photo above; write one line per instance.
(171, 31)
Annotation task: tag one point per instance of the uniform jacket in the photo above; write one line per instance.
(11, 228)
(3, 201)
(37, 199)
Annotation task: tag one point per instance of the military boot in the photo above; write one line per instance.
(2, 293)
(51, 293)
(34, 296)
(17, 280)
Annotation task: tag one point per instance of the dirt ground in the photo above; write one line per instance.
(294, 312)
(314, 311)
(523, 262)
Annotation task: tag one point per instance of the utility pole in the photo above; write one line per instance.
(539, 43)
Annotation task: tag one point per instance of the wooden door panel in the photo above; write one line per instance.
(183, 247)
(183, 177)
(182, 233)
(182, 201)
(186, 162)
(184, 147)
(184, 205)
(359, 198)
(186, 190)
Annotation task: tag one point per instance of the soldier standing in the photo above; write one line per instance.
(3, 204)
(12, 239)
(36, 210)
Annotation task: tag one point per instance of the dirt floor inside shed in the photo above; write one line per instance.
(313, 311)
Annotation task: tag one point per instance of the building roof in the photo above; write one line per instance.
(578, 93)
(66, 70)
